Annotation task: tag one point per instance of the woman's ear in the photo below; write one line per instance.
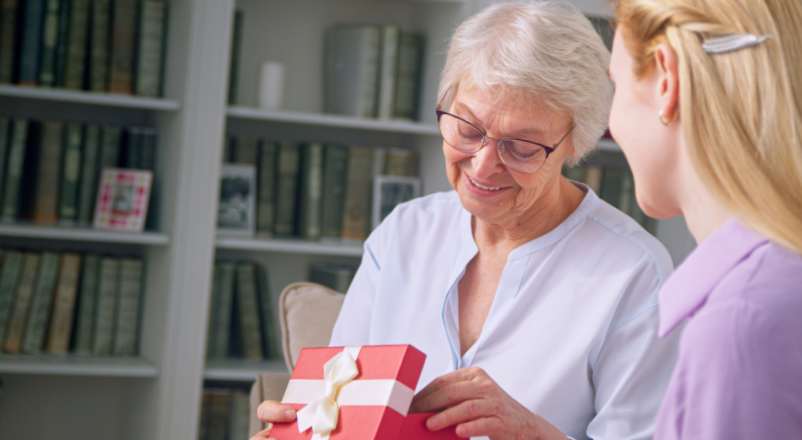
(667, 72)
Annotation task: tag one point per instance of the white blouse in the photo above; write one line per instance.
(571, 333)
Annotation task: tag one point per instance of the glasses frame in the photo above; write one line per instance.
(547, 148)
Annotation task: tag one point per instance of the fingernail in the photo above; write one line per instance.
(290, 413)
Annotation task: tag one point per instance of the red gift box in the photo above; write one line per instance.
(372, 386)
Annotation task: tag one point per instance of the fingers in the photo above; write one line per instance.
(271, 411)
(466, 411)
(461, 375)
(448, 395)
(480, 427)
(262, 435)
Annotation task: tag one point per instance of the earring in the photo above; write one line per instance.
(663, 119)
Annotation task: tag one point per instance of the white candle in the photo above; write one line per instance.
(271, 86)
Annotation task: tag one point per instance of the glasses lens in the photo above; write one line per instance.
(521, 155)
(460, 134)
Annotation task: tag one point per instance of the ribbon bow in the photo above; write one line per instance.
(322, 414)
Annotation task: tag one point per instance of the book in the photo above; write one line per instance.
(9, 277)
(50, 30)
(387, 73)
(358, 193)
(87, 301)
(87, 188)
(16, 162)
(214, 314)
(335, 167)
(401, 162)
(100, 46)
(41, 304)
(226, 283)
(22, 303)
(288, 168)
(123, 41)
(239, 417)
(62, 39)
(70, 173)
(336, 276)
(5, 143)
(246, 150)
(236, 45)
(311, 191)
(351, 70)
(266, 188)
(410, 68)
(150, 58)
(61, 324)
(150, 140)
(248, 312)
(111, 142)
(106, 307)
(8, 33)
(46, 207)
(271, 343)
(132, 148)
(126, 330)
(76, 57)
(31, 41)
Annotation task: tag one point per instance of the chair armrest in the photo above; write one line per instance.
(268, 386)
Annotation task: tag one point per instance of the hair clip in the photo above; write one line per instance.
(732, 42)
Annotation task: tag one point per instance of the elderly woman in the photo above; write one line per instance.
(533, 299)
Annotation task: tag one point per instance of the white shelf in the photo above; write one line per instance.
(341, 249)
(237, 370)
(325, 120)
(82, 234)
(93, 98)
(609, 145)
(54, 365)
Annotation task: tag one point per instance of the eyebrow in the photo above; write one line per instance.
(518, 134)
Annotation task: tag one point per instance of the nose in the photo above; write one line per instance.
(486, 161)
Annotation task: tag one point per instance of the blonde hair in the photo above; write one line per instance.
(545, 49)
(740, 111)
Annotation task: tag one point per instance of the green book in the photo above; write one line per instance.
(335, 168)
(236, 45)
(9, 277)
(358, 193)
(214, 306)
(239, 418)
(266, 193)
(224, 283)
(87, 301)
(47, 72)
(61, 324)
(152, 32)
(22, 303)
(401, 162)
(31, 41)
(87, 189)
(16, 162)
(106, 307)
(8, 32)
(132, 153)
(122, 50)
(41, 304)
(246, 150)
(128, 303)
(5, 144)
(45, 211)
(100, 46)
(110, 143)
(70, 173)
(311, 191)
(387, 73)
(407, 89)
(62, 39)
(351, 70)
(336, 276)
(271, 344)
(248, 312)
(288, 166)
(76, 56)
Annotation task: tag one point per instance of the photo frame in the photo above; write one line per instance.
(389, 191)
(236, 212)
(122, 199)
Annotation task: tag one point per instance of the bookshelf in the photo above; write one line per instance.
(157, 395)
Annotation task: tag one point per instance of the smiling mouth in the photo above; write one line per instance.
(484, 187)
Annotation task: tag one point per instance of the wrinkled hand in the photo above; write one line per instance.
(470, 399)
(271, 412)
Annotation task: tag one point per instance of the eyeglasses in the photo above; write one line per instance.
(518, 154)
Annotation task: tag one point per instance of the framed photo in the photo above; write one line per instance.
(236, 213)
(389, 191)
(122, 199)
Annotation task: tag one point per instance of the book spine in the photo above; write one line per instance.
(5, 144)
(8, 24)
(220, 349)
(410, 60)
(214, 314)
(31, 45)
(389, 66)
(106, 307)
(47, 74)
(130, 293)
(358, 193)
(9, 277)
(41, 304)
(76, 49)
(16, 162)
(110, 149)
(62, 40)
(287, 187)
(123, 42)
(88, 182)
(47, 177)
(151, 39)
(22, 303)
(271, 344)
(249, 312)
(311, 191)
(150, 141)
(64, 306)
(369, 83)
(100, 37)
(70, 174)
(401, 162)
(266, 195)
(335, 168)
(87, 302)
(236, 45)
(246, 150)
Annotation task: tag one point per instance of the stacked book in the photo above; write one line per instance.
(225, 414)
(50, 170)
(99, 45)
(59, 303)
(372, 71)
(317, 190)
(336, 276)
(241, 323)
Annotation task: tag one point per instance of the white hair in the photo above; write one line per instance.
(545, 49)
